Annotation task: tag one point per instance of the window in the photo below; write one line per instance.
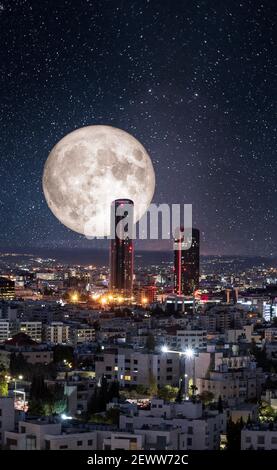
(161, 442)
(23, 429)
(31, 442)
(90, 442)
(108, 368)
(260, 440)
(274, 440)
(79, 443)
(190, 430)
(169, 377)
(169, 369)
(189, 441)
(11, 442)
(169, 361)
(63, 447)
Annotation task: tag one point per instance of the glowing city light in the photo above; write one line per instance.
(95, 296)
(74, 297)
(189, 353)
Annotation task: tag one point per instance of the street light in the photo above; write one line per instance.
(188, 353)
(20, 392)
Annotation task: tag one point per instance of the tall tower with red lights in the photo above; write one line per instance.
(122, 247)
(186, 262)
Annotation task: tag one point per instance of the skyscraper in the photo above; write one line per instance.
(121, 250)
(7, 291)
(186, 263)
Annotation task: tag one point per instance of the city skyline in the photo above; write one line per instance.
(191, 81)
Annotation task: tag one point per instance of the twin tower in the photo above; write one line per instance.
(186, 254)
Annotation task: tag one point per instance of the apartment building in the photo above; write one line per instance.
(196, 429)
(81, 335)
(5, 332)
(232, 384)
(6, 416)
(57, 333)
(260, 436)
(131, 367)
(31, 328)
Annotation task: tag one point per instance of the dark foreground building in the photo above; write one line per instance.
(186, 263)
(121, 251)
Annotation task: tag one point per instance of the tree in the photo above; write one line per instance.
(36, 408)
(56, 402)
(266, 412)
(103, 392)
(180, 394)
(113, 415)
(193, 389)
(206, 397)
(38, 390)
(153, 388)
(168, 393)
(63, 353)
(150, 342)
(220, 404)
(18, 364)
(46, 401)
(101, 396)
(3, 385)
(93, 405)
(234, 434)
(142, 390)
(114, 390)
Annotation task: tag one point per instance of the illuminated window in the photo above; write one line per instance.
(127, 377)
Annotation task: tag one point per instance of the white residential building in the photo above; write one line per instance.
(4, 330)
(7, 416)
(197, 429)
(131, 367)
(259, 437)
(32, 329)
(80, 335)
(57, 333)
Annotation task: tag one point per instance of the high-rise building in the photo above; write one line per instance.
(186, 262)
(121, 251)
(7, 291)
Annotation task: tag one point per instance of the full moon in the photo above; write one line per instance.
(91, 167)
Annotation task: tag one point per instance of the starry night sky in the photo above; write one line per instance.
(192, 80)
